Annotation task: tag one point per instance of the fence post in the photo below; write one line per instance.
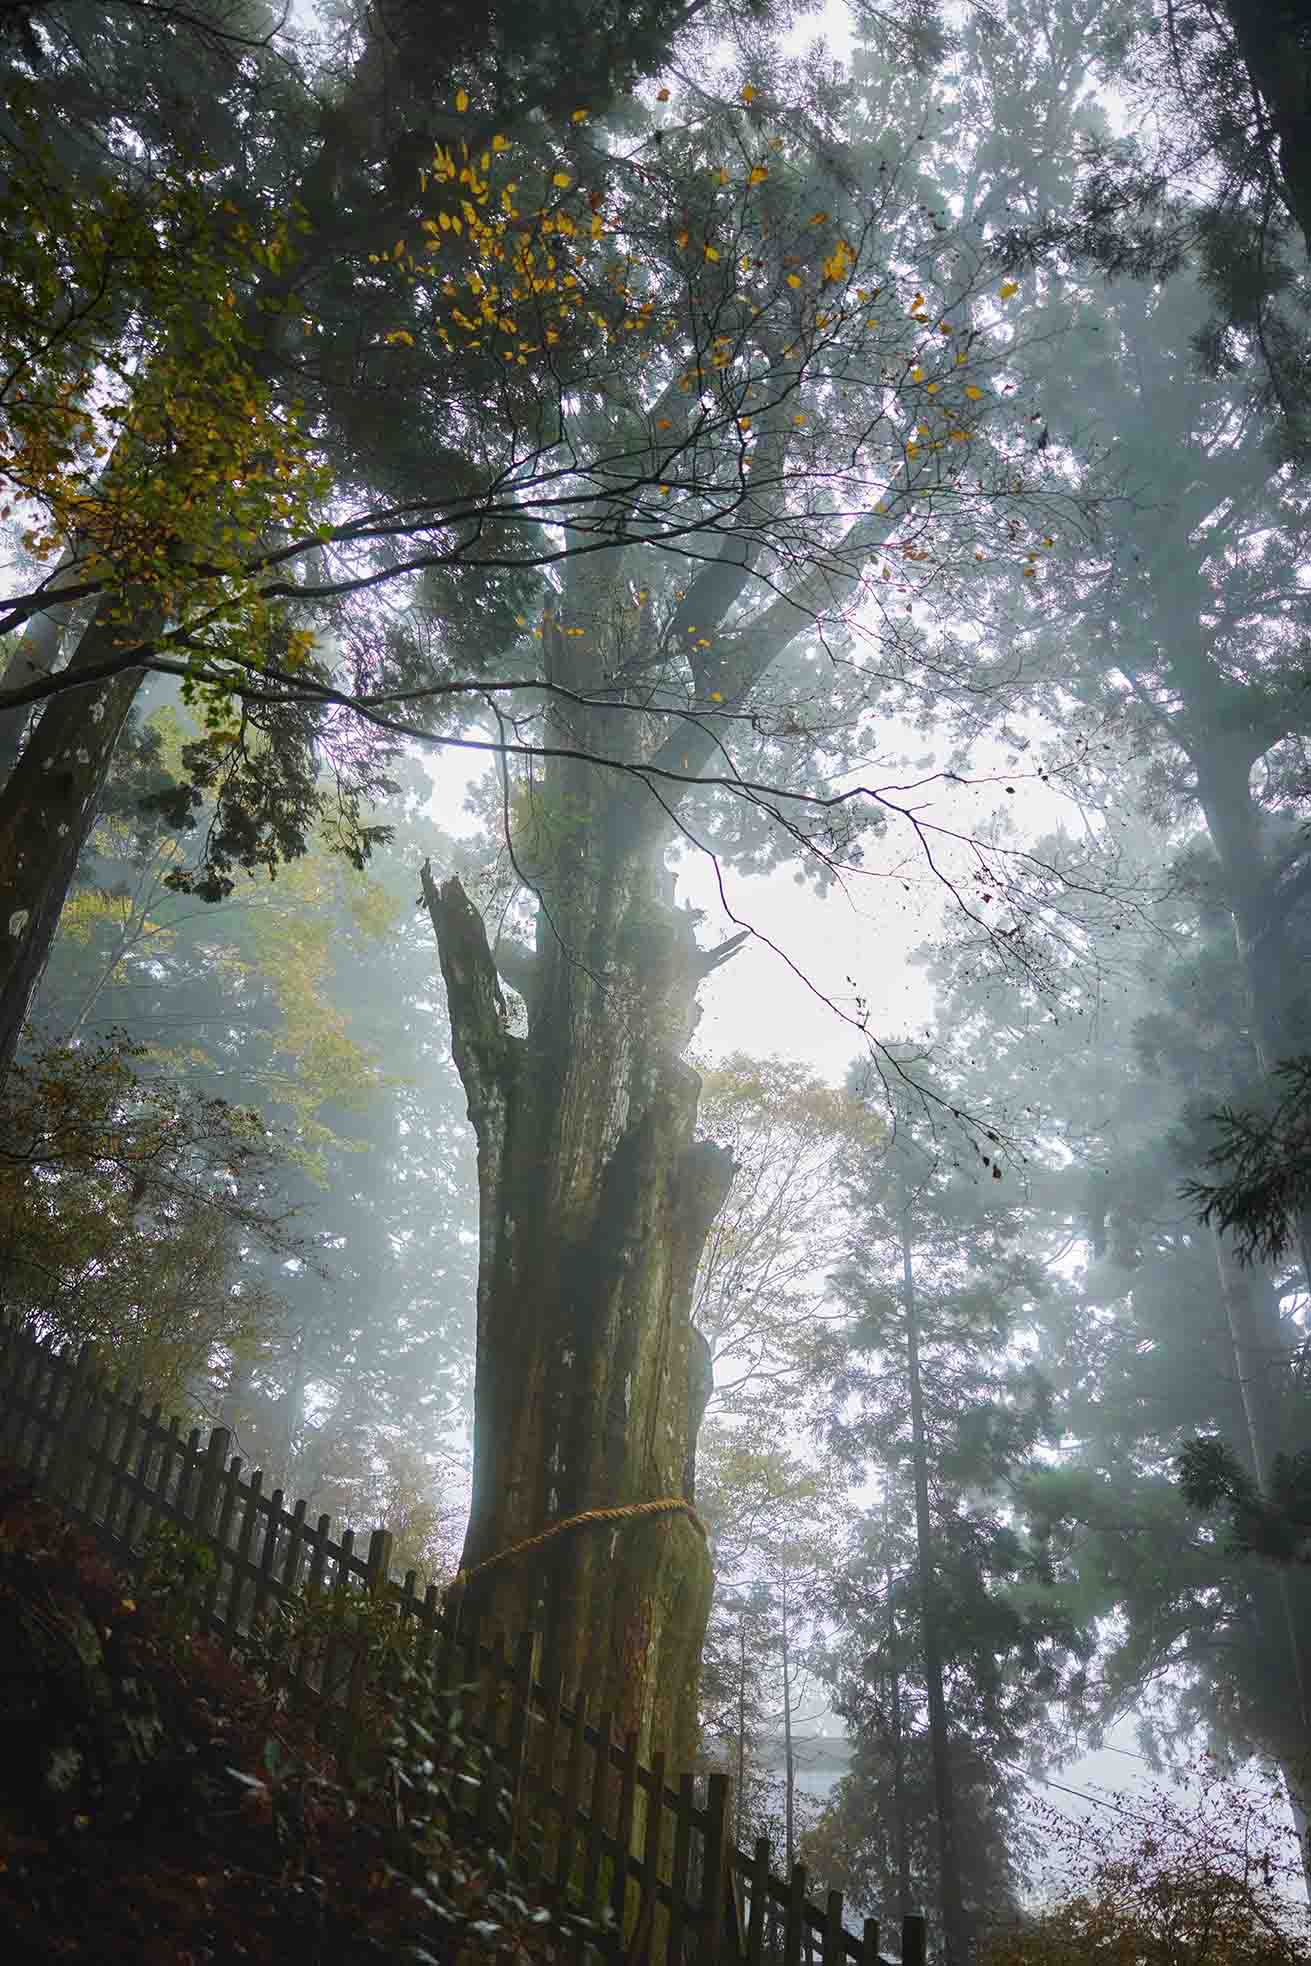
(913, 1939)
(714, 1901)
(869, 1943)
(211, 1480)
(377, 1572)
(682, 1855)
(624, 1836)
(794, 1929)
(835, 1938)
(644, 1933)
(759, 1901)
(526, 1656)
(67, 1467)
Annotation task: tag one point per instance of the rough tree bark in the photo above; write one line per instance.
(595, 1201)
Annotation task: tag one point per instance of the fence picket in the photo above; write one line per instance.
(541, 1780)
(223, 1548)
(526, 1655)
(714, 1871)
(624, 1835)
(648, 1911)
(137, 1489)
(573, 1788)
(600, 1803)
(682, 1859)
(100, 1455)
(913, 1939)
(759, 1901)
(869, 1943)
(794, 1927)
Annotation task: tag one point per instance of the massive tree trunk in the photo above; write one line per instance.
(595, 1202)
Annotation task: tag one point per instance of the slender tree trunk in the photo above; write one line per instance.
(741, 1723)
(47, 809)
(954, 1929)
(594, 1205)
(1276, 1592)
(789, 1759)
(904, 1902)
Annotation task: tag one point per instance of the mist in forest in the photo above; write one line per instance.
(655, 791)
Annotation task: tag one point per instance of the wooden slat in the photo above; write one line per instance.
(264, 1583)
(869, 1942)
(835, 1936)
(596, 1814)
(913, 1939)
(796, 1916)
(540, 1779)
(624, 1836)
(492, 1786)
(189, 1478)
(223, 1537)
(245, 1537)
(170, 1448)
(124, 1451)
(521, 1705)
(759, 1901)
(68, 1468)
(714, 1871)
(682, 1860)
(333, 1681)
(137, 1490)
(295, 1553)
(573, 1786)
(100, 1455)
(646, 1936)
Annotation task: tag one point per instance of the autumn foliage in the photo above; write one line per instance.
(1156, 1882)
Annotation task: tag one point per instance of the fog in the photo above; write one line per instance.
(810, 578)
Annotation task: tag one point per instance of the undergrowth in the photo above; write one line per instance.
(161, 1802)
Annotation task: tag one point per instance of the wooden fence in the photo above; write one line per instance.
(591, 1824)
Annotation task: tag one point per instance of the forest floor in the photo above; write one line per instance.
(160, 1805)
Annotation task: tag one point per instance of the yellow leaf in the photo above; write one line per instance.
(757, 174)
(561, 178)
(748, 93)
(972, 392)
(1028, 572)
(794, 279)
(744, 423)
(461, 100)
(716, 695)
(665, 490)
(580, 116)
(917, 375)
(798, 419)
(401, 335)
(521, 621)
(662, 95)
(664, 423)
(575, 631)
(500, 143)
(1007, 288)
(712, 252)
